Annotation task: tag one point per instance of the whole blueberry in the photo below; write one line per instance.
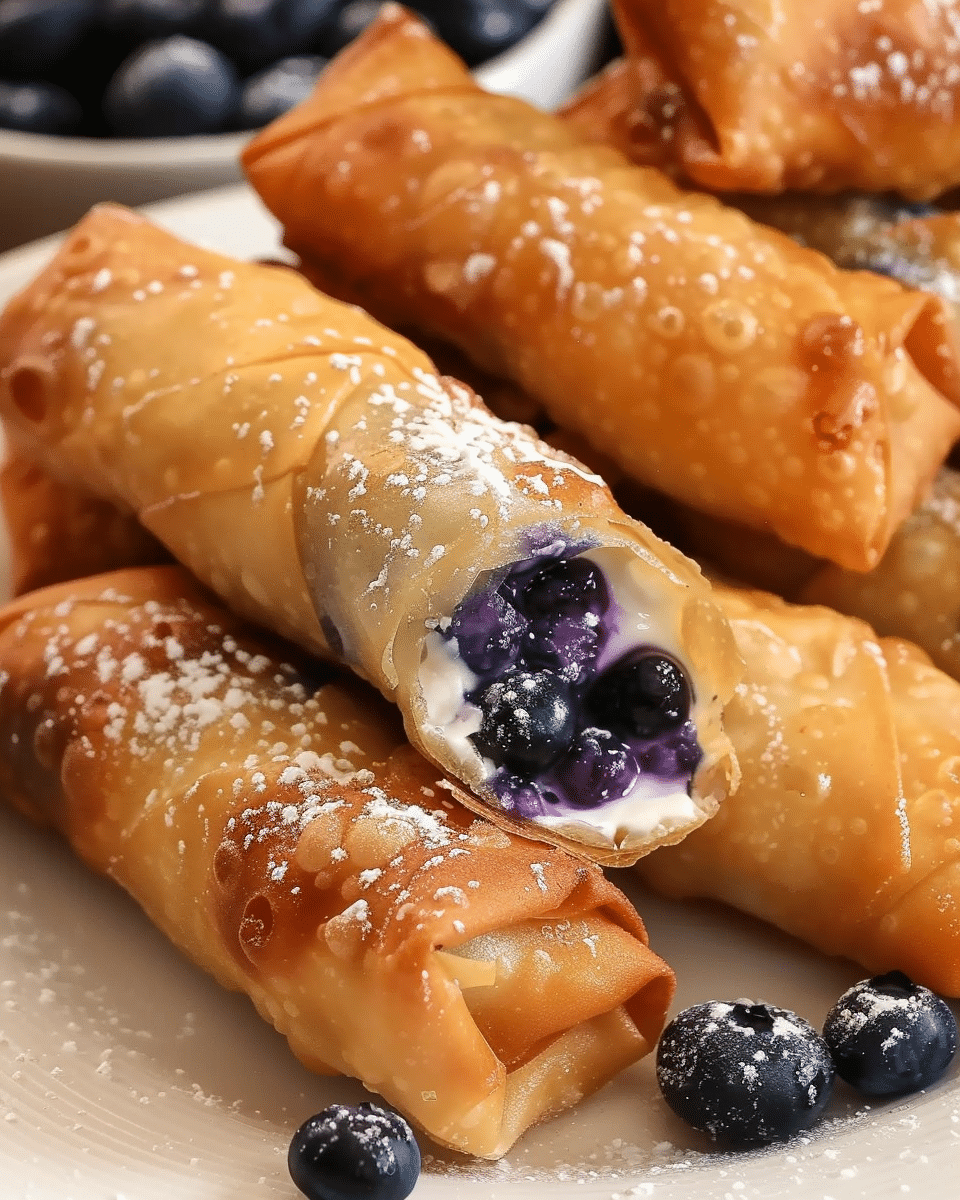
(528, 720)
(38, 108)
(521, 796)
(572, 587)
(479, 29)
(360, 1152)
(275, 90)
(643, 695)
(171, 88)
(889, 1036)
(745, 1074)
(346, 23)
(257, 32)
(488, 630)
(140, 20)
(597, 768)
(35, 35)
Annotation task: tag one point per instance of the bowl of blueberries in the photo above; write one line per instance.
(139, 100)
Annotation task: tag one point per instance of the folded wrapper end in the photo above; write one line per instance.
(283, 835)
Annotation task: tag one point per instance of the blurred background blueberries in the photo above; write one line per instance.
(165, 68)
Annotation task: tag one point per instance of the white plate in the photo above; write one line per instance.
(125, 1074)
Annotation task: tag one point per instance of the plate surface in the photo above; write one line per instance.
(126, 1074)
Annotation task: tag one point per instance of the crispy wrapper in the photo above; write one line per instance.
(914, 592)
(58, 532)
(763, 97)
(710, 357)
(307, 464)
(843, 829)
(286, 837)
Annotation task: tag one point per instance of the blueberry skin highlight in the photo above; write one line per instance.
(171, 88)
(889, 1036)
(38, 108)
(528, 720)
(360, 1152)
(744, 1074)
(275, 90)
(641, 696)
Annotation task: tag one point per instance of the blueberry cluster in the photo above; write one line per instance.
(164, 68)
(750, 1074)
(560, 731)
(352, 1151)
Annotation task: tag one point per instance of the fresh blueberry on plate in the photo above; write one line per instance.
(889, 1036)
(359, 1152)
(171, 88)
(745, 1074)
(38, 108)
(275, 90)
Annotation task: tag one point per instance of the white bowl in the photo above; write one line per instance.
(47, 183)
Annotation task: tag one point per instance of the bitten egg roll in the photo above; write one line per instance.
(843, 831)
(708, 356)
(749, 95)
(282, 833)
(310, 466)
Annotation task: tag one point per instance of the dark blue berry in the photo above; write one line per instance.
(672, 756)
(275, 90)
(257, 32)
(347, 23)
(360, 1152)
(140, 20)
(35, 35)
(889, 1036)
(572, 587)
(38, 108)
(563, 643)
(745, 1074)
(171, 88)
(598, 768)
(528, 720)
(522, 797)
(488, 630)
(479, 29)
(643, 695)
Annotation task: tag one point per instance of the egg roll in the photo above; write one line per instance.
(309, 465)
(58, 533)
(914, 592)
(270, 818)
(708, 356)
(761, 97)
(843, 831)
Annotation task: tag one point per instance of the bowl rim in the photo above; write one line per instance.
(16, 146)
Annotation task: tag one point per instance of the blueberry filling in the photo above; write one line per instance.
(569, 719)
(528, 720)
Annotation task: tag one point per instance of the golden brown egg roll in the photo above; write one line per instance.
(710, 357)
(843, 830)
(58, 532)
(310, 466)
(281, 832)
(749, 95)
